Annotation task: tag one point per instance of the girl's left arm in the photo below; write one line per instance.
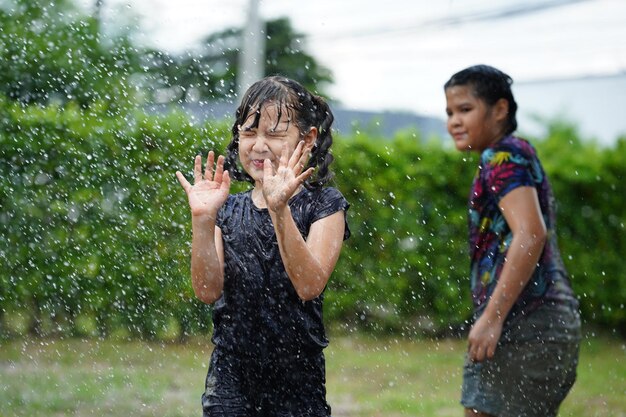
(309, 263)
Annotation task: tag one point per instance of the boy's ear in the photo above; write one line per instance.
(310, 138)
(501, 109)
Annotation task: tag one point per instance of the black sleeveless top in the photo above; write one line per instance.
(259, 313)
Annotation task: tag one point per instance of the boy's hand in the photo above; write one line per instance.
(483, 338)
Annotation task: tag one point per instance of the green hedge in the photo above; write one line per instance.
(94, 225)
(96, 233)
(404, 267)
(588, 181)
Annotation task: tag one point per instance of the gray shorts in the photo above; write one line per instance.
(533, 369)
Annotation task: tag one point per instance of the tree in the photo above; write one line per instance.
(49, 51)
(211, 73)
(284, 56)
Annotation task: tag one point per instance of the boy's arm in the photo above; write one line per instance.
(522, 213)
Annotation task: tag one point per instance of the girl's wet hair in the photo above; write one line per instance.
(488, 84)
(299, 106)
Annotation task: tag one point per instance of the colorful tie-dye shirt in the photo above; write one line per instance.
(507, 164)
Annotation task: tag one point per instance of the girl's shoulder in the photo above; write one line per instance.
(237, 198)
(318, 203)
(313, 205)
(330, 192)
(321, 195)
(234, 202)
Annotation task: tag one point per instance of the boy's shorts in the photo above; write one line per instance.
(533, 369)
(282, 387)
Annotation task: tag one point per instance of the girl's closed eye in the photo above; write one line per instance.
(273, 134)
(246, 131)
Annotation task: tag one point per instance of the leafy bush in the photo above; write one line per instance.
(588, 183)
(96, 232)
(93, 221)
(404, 267)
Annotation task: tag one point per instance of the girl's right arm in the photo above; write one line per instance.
(207, 259)
(206, 197)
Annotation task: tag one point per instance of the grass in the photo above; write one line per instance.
(366, 377)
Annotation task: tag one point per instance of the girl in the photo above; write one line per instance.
(264, 256)
(523, 346)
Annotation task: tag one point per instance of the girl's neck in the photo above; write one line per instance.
(258, 199)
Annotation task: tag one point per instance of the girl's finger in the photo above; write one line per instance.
(295, 156)
(197, 169)
(305, 175)
(284, 155)
(225, 185)
(208, 171)
(303, 160)
(268, 171)
(183, 181)
(219, 171)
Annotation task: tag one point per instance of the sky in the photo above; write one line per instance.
(397, 54)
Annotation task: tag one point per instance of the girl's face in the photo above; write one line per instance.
(472, 123)
(265, 141)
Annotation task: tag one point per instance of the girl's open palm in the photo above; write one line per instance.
(209, 191)
(280, 186)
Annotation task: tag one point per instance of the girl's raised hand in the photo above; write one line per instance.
(209, 191)
(280, 186)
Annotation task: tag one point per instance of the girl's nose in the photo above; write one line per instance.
(260, 144)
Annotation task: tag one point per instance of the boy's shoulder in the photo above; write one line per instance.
(515, 144)
(509, 149)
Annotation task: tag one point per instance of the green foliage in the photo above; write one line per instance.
(96, 232)
(285, 55)
(406, 258)
(93, 219)
(588, 183)
(51, 53)
(210, 72)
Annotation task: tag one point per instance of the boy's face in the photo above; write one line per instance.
(265, 141)
(473, 124)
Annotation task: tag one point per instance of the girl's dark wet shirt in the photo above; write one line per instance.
(259, 312)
